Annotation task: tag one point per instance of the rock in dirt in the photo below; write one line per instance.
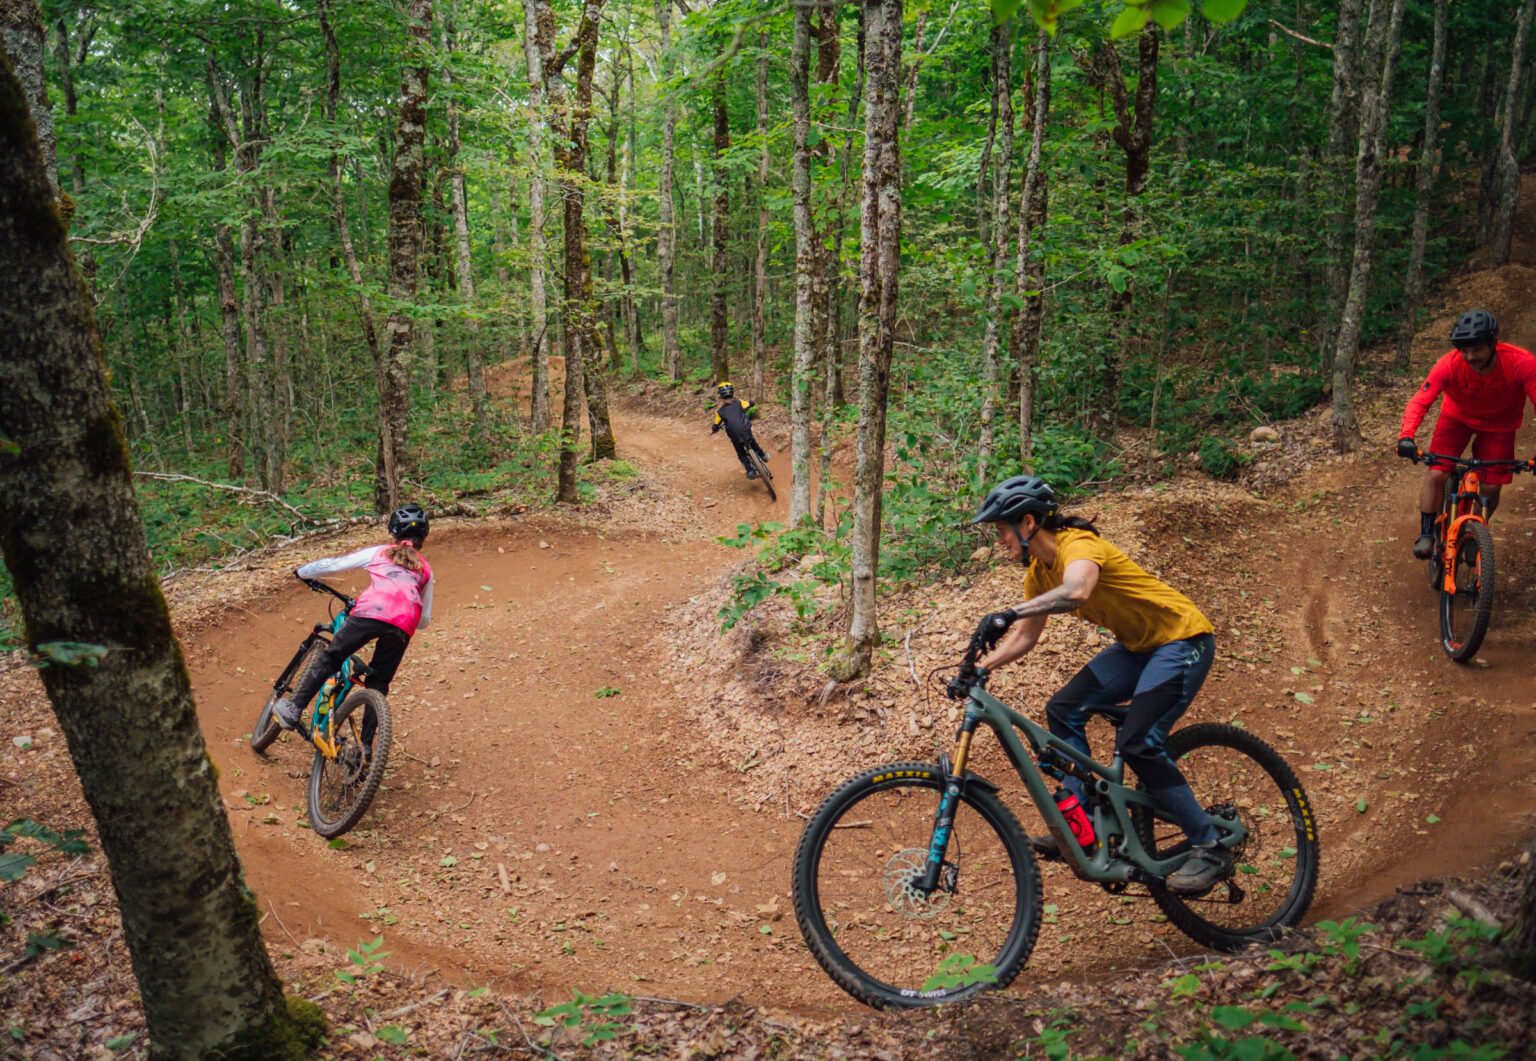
(1263, 434)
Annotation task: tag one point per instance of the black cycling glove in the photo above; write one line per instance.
(1407, 448)
(992, 628)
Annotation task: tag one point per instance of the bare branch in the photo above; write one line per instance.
(262, 495)
(1304, 39)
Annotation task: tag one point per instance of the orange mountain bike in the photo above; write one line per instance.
(1462, 566)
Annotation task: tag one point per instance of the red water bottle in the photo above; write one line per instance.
(1077, 818)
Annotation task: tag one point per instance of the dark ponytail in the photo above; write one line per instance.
(1057, 522)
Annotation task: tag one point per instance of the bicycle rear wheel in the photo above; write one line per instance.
(341, 789)
(764, 475)
(881, 940)
(1236, 775)
(1464, 614)
(266, 729)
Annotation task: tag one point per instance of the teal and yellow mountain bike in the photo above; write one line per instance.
(914, 884)
(347, 770)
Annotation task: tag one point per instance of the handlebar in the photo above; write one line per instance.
(1471, 464)
(348, 603)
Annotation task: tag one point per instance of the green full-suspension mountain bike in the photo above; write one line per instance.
(346, 771)
(914, 884)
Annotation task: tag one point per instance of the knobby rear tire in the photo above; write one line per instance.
(341, 790)
(266, 729)
(992, 917)
(1474, 568)
(1227, 765)
(763, 476)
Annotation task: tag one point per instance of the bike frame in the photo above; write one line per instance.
(1463, 503)
(327, 700)
(1126, 859)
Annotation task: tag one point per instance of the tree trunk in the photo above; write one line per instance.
(73, 543)
(1133, 132)
(1382, 43)
(805, 266)
(1520, 943)
(1002, 107)
(394, 376)
(539, 413)
(999, 33)
(879, 268)
(23, 39)
(1509, 165)
(280, 427)
(1343, 109)
(1429, 161)
(1027, 270)
(229, 319)
(719, 328)
(666, 229)
(474, 356)
(760, 269)
(827, 289)
(919, 57)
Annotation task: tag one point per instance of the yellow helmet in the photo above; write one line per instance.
(726, 390)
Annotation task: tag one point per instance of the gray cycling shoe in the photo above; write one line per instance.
(287, 713)
(1207, 866)
(1424, 547)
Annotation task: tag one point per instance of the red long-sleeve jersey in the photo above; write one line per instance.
(1484, 403)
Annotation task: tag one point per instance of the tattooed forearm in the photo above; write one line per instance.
(1052, 602)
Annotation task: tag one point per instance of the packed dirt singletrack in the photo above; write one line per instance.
(553, 817)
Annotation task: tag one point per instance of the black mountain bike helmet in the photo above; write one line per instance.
(726, 391)
(1474, 328)
(409, 521)
(1012, 499)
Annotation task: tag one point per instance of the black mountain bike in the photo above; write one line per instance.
(914, 884)
(345, 773)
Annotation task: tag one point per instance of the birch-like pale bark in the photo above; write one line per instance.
(760, 267)
(1509, 166)
(719, 326)
(804, 375)
(1429, 161)
(538, 298)
(1002, 107)
(474, 356)
(1343, 112)
(879, 269)
(22, 38)
(71, 537)
(1029, 268)
(1383, 41)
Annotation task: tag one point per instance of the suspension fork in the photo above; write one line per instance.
(944, 817)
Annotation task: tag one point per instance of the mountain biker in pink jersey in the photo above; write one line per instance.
(396, 604)
(1485, 383)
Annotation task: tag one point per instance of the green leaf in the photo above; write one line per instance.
(1219, 11)
(448, 860)
(117, 1042)
(1169, 13)
(1432, 819)
(70, 653)
(391, 1033)
(338, 844)
(1304, 698)
(1232, 1017)
(1360, 805)
(1129, 21)
(14, 867)
(605, 692)
(478, 992)
(1003, 10)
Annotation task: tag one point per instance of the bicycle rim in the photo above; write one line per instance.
(879, 938)
(1464, 614)
(1235, 774)
(764, 477)
(341, 789)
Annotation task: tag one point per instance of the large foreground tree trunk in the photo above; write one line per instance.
(75, 548)
(23, 39)
(394, 376)
(879, 267)
(1429, 160)
(1521, 941)
(1382, 43)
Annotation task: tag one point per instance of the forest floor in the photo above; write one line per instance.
(593, 789)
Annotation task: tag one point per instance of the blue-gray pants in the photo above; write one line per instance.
(1143, 694)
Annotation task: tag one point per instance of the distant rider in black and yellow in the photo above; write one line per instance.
(735, 415)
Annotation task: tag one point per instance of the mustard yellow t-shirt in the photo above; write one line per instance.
(1140, 611)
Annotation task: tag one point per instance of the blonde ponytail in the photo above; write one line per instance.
(404, 554)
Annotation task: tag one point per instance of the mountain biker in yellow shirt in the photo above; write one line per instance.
(1142, 683)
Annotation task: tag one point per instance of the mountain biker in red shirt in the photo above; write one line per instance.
(1485, 383)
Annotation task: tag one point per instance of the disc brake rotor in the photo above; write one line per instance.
(905, 898)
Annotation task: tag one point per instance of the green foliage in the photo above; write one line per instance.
(592, 1014)
(960, 970)
(14, 865)
(366, 960)
(778, 548)
(69, 654)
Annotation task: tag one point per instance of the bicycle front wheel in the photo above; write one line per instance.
(880, 939)
(1236, 775)
(763, 475)
(1464, 613)
(341, 789)
(266, 729)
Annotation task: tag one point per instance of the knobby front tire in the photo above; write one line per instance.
(1234, 772)
(1464, 614)
(266, 729)
(341, 789)
(883, 942)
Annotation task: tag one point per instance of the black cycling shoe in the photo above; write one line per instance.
(751, 473)
(1207, 866)
(1424, 548)
(1046, 849)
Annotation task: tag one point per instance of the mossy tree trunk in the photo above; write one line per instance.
(75, 548)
